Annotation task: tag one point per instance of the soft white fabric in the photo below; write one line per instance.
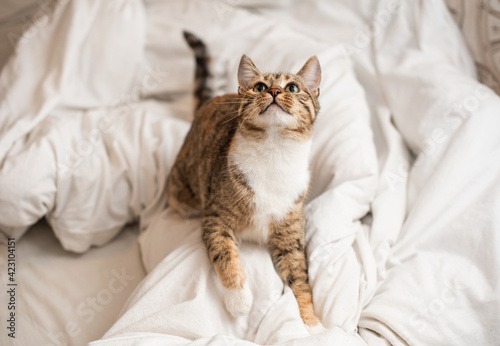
(420, 268)
(442, 274)
(68, 299)
(84, 152)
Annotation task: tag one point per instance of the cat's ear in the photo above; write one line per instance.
(246, 72)
(311, 74)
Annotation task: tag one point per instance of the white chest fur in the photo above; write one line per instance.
(277, 171)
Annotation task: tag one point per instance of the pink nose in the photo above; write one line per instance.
(274, 91)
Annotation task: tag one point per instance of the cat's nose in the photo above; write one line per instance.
(274, 91)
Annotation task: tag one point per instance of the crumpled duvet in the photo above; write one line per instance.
(401, 215)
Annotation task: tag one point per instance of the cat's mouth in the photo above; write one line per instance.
(274, 103)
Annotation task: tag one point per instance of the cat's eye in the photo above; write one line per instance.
(259, 87)
(292, 88)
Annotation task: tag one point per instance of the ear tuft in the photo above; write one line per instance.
(246, 72)
(311, 74)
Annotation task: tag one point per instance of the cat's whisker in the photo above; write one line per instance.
(236, 101)
(239, 99)
(237, 115)
(256, 109)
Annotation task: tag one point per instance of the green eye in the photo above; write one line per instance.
(292, 88)
(260, 87)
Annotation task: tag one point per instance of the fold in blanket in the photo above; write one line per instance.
(55, 129)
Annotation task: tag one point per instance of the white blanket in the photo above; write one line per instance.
(420, 268)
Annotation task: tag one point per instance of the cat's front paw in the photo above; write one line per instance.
(238, 302)
(316, 329)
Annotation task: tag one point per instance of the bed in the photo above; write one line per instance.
(403, 212)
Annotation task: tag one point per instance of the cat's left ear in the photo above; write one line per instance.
(311, 74)
(246, 72)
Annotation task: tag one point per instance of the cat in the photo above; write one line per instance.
(243, 168)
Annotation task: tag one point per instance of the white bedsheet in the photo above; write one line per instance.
(421, 268)
(64, 298)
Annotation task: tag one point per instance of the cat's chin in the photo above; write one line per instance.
(272, 107)
(273, 116)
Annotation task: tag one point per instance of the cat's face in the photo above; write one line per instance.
(278, 101)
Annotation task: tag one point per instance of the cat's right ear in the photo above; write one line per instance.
(246, 72)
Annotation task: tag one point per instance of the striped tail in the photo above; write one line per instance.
(202, 92)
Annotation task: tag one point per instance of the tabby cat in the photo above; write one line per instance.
(243, 168)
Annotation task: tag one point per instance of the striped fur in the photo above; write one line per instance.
(201, 92)
(243, 169)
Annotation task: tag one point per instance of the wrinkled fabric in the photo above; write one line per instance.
(402, 214)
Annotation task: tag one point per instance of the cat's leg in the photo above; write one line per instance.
(223, 252)
(287, 243)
